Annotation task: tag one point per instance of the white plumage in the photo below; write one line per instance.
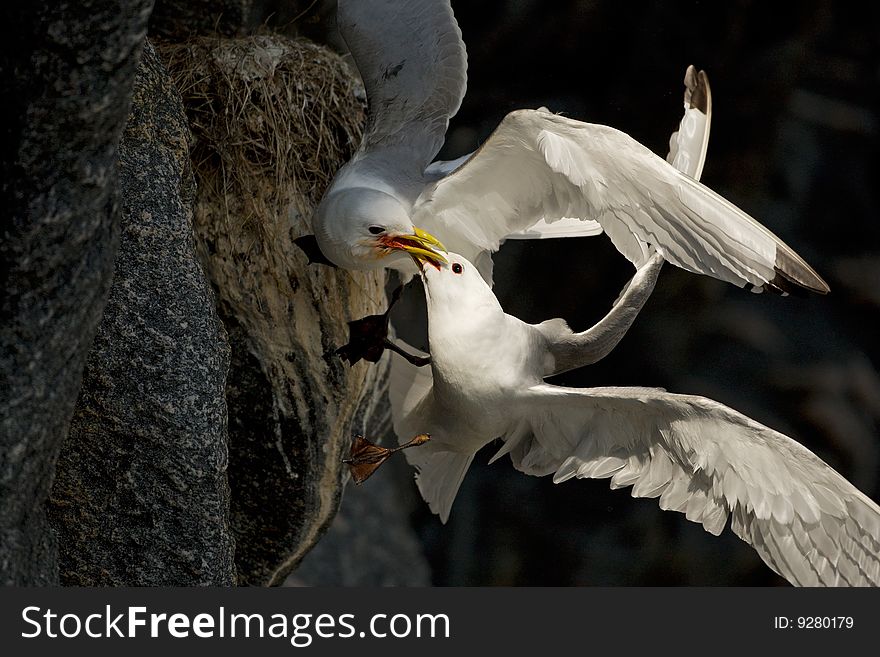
(538, 175)
(696, 455)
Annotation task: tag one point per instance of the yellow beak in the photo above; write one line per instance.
(421, 245)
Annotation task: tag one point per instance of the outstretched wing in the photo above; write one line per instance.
(538, 164)
(687, 153)
(414, 66)
(703, 459)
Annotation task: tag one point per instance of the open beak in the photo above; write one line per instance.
(422, 246)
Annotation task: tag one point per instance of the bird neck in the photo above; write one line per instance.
(478, 353)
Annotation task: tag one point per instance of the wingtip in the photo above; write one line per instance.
(794, 273)
(697, 91)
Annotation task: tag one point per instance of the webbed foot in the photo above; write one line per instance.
(368, 338)
(366, 457)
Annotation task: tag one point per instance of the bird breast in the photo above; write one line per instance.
(478, 364)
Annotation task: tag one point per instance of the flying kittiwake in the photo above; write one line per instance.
(699, 457)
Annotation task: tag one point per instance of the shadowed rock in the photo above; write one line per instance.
(178, 19)
(371, 541)
(66, 71)
(140, 495)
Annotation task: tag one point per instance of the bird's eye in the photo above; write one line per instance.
(376, 230)
(457, 268)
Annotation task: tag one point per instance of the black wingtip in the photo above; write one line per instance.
(798, 273)
(697, 93)
(309, 245)
(784, 285)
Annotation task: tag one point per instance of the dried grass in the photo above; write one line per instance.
(272, 118)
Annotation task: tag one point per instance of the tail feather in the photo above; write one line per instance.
(439, 476)
(439, 472)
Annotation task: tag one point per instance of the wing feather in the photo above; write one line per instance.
(414, 66)
(538, 164)
(687, 153)
(711, 463)
(688, 144)
(408, 387)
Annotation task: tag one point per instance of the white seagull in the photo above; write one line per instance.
(538, 175)
(699, 457)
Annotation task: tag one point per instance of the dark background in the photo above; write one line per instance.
(794, 142)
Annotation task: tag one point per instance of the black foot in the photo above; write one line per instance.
(366, 457)
(309, 246)
(368, 338)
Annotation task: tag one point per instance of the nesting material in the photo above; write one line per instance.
(273, 119)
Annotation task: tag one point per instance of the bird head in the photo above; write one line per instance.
(455, 285)
(362, 228)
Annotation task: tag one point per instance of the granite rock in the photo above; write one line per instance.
(140, 495)
(66, 71)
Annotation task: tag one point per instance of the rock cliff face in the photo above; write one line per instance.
(154, 485)
(66, 72)
(140, 494)
(209, 412)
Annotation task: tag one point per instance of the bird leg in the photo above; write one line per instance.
(368, 338)
(366, 457)
(573, 350)
(418, 361)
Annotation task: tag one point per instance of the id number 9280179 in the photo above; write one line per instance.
(813, 622)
